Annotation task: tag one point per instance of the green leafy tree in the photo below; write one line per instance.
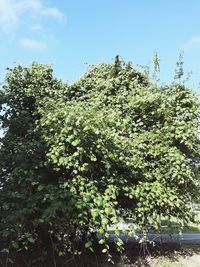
(76, 159)
(32, 202)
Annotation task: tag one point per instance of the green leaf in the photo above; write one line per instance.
(40, 187)
(101, 241)
(93, 158)
(105, 250)
(15, 245)
(88, 244)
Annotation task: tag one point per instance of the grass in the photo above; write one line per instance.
(191, 228)
(165, 227)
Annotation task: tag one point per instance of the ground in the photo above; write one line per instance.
(170, 255)
(181, 261)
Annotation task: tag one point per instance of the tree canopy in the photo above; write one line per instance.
(78, 158)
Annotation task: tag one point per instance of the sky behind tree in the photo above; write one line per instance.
(69, 34)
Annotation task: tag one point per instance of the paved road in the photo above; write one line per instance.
(163, 238)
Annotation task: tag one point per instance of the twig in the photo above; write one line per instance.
(54, 260)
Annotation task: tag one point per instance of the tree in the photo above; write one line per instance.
(179, 67)
(76, 158)
(29, 191)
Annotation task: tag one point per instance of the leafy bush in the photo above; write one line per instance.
(77, 158)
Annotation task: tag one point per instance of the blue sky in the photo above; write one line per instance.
(68, 34)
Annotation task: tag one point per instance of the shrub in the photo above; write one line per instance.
(77, 158)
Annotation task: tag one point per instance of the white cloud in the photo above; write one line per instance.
(192, 43)
(12, 10)
(37, 27)
(32, 44)
(8, 15)
(38, 7)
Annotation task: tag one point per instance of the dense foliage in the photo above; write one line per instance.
(78, 158)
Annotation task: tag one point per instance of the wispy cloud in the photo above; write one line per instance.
(32, 44)
(36, 27)
(12, 10)
(38, 7)
(194, 42)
